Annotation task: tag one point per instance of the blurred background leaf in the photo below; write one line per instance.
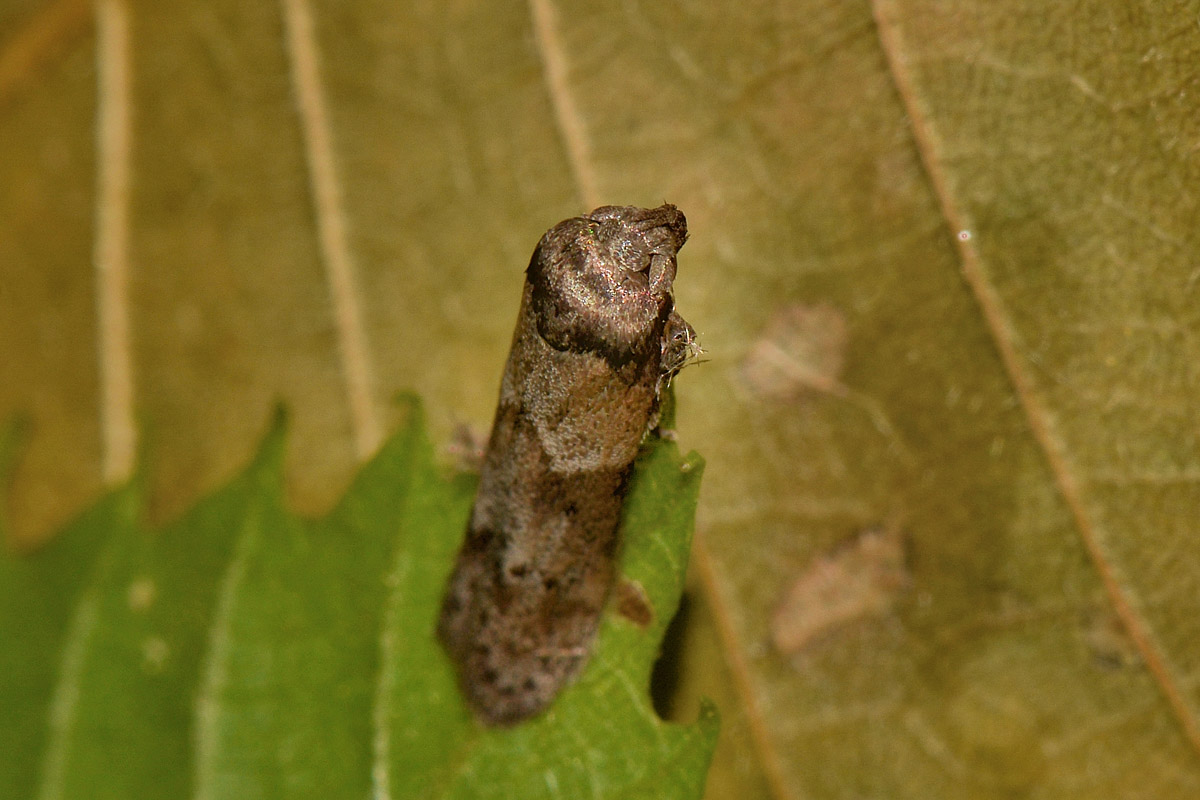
(943, 259)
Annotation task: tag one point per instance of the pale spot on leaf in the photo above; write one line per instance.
(155, 652)
(857, 580)
(801, 350)
(141, 594)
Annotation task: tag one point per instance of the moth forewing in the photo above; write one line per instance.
(596, 339)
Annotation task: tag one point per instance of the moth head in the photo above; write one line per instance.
(642, 242)
(603, 282)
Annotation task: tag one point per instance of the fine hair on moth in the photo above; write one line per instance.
(596, 342)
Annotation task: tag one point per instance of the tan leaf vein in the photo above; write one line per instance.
(111, 253)
(331, 226)
(570, 123)
(997, 318)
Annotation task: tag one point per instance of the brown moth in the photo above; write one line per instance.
(596, 340)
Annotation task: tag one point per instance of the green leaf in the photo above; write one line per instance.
(48, 607)
(602, 738)
(247, 652)
(125, 669)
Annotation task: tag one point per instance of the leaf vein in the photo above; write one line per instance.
(331, 226)
(570, 123)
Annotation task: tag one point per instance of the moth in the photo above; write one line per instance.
(596, 341)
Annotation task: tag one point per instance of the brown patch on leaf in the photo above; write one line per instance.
(801, 350)
(632, 603)
(858, 579)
